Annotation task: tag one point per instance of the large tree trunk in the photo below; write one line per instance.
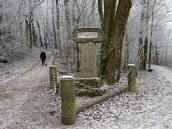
(106, 24)
(114, 31)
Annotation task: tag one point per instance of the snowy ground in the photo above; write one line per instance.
(149, 108)
(25, 102)
(31, 105)
(12, 69)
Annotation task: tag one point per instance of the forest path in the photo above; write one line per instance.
(23, 100)
(165, 73)
(164, 106)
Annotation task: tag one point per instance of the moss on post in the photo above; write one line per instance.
(67, 100)
(53, 76)
(132, 78)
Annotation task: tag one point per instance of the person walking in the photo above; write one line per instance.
(46, 44)
(43, 57)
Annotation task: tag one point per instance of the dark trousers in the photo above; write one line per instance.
(43, 61)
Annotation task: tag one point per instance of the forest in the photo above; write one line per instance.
(105, 64)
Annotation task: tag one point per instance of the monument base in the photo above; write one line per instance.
(92, 92)
(88, 82)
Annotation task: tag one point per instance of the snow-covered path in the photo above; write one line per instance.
(22, 99)
(24, 104)
(16, 67)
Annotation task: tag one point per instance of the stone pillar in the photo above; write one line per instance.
(132, 78)
(87, 60)
(67, 84)
(53, 76)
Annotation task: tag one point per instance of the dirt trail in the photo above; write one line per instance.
(23, 100)
(24, 104)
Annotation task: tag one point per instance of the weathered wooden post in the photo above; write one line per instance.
(53, 76)
(132, 78)
(68, 116)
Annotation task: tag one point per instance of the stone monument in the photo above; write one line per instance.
(86, 39)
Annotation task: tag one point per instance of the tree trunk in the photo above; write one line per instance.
(151, 36)
(114, 31)
(156, 56)
(68, 18)
(54, 26)
(145, 54)
(143, 40)
(40, 37)
(30, 26)
(30, 32)
(141, 43)
(107, 24)
(58, 25)
(146, 38)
